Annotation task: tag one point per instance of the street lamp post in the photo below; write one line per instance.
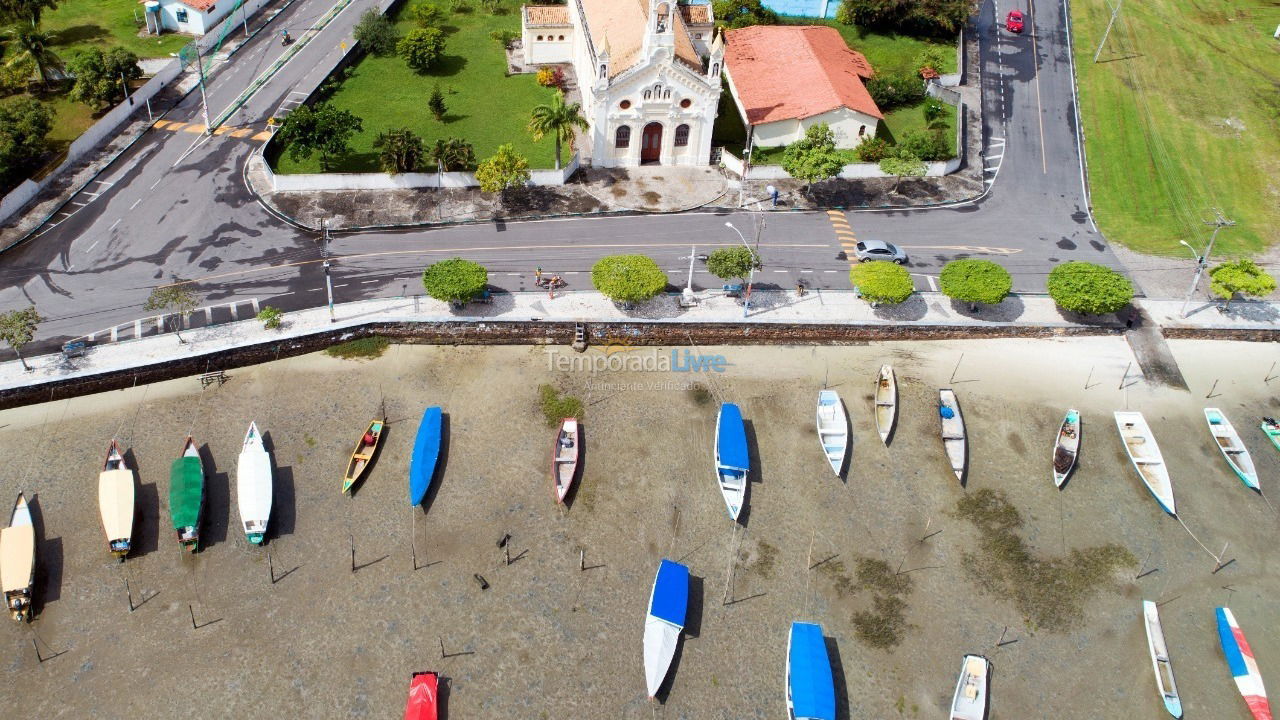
(1202, 261)
(746, 298)
(328, 281)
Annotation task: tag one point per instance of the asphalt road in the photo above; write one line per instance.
(175, 206)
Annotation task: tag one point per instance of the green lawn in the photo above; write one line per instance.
(895, 124)
(486, 108)
(1181, 116)
(80, 24)
(887, 52)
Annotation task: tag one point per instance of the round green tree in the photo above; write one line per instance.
(628, 278)
(733, 262)
(455, 280)
(1240, 276)
(882, 281)
(975, 281)
(1089, 289)
(421, 48)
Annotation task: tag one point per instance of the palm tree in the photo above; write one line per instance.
(558, 120)
(21, 11)
(451, 153)
(401, 151)
(32, 47)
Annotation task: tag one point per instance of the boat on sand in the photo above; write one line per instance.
(811, 693)
(833, 429)
(186, 495)
(1066, 448)
(668, 603)
(362, 456)
(18, 560)
(424, 696)
(954, 440)
(970, 699)
(426, 454)
(733, 463)
(115, 502)
(564, 457)
(1165, 683)
(1233, 450)
(253, 486)
(886, 402)
(1146, 457)
(1244, 668)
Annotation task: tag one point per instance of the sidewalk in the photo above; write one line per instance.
(924, 311)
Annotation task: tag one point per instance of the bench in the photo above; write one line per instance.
(216, 376)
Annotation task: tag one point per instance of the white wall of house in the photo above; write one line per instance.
(544, 45)
(850, 128)
(181, 18)
(655, 94)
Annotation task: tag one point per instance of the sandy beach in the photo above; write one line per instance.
(550, 640)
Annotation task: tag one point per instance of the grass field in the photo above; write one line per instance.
(1180, 116)
(486, 108)
(887, 52)
(80, 24)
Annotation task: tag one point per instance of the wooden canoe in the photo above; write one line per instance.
(116, 502)
(564, 457)
(1271, 427)
(886, 402)
(1233, 449)
(954, 439)
(1165, 683)
(1146, 457)
(362, 456)
(18, 560)
(1066, 447)
(833, 429)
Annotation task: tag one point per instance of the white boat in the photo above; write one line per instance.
(953, 435)
(1228, 440)
(833, 429)
(733, 462)
(1160, 659)
(253, 486)
(18, 560)
(970, 700)
(1146, 457)
(809, 683)
(668, 603)
(886, 402)
(115, 501)
(1066, 447)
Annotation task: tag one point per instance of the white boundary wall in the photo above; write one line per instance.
(383, 181)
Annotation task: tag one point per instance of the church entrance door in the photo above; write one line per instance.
(651, 143)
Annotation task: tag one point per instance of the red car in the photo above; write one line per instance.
(1014, 21)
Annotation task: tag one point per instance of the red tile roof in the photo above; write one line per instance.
(791, 71)
(201, 5)
(555, 15)
(696, 14)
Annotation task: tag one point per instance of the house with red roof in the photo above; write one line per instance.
(648, 70)
(196, 17)
(787, 78)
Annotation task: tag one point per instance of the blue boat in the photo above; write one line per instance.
(732, 460)
(662, 626)
(811, 693)
(426, 454)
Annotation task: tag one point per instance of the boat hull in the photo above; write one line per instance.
(1240, 660)
(18, 560)
(1066, 448)
(1148, 461)
(1272, 431)
(565, 454)
(186, 496)
(971, 701)
(424, 697)
(362, 456)
(832, 423)
(886, 399)
(426, 454)
(732, 461)
(668, 605)
(254, 487)
(954, 438)
(1232, 448)
(1160, 664)
(809, 683)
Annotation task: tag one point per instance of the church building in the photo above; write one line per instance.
(648, 70)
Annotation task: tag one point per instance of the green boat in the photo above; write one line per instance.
(1272, 429)
(186, 495)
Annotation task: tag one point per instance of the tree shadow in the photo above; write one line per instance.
(913, 308)
(215, 517)
(448, 65)
(79, 34)
(284, 510)
(47, 585)
(1008, 310)
(837, 678)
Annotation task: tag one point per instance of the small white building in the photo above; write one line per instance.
(195, 17)
(787, 78)
(648, 70)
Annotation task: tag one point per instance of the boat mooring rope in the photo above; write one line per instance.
(1193, 537)
(195, 413)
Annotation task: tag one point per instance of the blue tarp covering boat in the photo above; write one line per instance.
(667, 607)
(670, 598)
(731, 439)
(811, 693)
(426, 453)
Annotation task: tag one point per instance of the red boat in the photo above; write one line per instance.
(422, 697)
(565, 456)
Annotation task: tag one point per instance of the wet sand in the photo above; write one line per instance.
(548, 640)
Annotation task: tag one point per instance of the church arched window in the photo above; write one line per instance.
(682, 135)
(622, 138)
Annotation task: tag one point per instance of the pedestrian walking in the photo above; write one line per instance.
(773, 194)
(537, 276)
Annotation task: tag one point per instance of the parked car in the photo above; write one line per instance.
(1014, 21)
(868, 250)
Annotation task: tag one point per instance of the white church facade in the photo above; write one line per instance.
(648, 70)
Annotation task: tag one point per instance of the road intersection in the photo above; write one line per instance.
(175, 205)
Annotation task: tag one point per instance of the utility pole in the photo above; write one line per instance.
(746, 296)
(687, 295)
(204, 99)
(1202, 261)
(324, 252)
(124, 85)
(1114, 13)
